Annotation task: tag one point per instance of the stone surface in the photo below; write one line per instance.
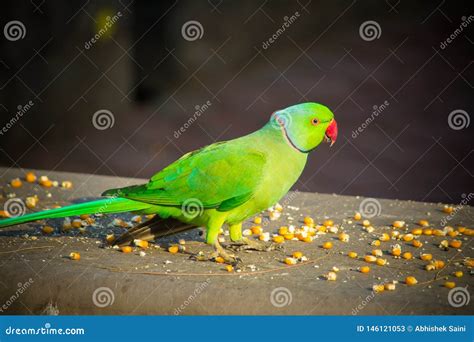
(106, 281)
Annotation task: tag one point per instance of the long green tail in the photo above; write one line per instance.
(102, 206)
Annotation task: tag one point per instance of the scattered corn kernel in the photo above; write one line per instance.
(375, 243)
(297, 255)
(424, 223)
(344, 237)
(439, 264)
(328, 223)
(428, 231)
(366, 223)
(364, 269)
(438, 232)
(308, 221)
(426, 257)
(31, 201)
(430, 267)
(357, 216)
(4, 214)
(352, 255)
(327, 245)
(331, 276)
(75, 256)
(229, 268)
(173, 249)
(16, 183)
(30, 177)
(396, 251)
(110, 238)
(411, 281)
(307, 239)
(66, 184)
(257, 220)
(469, 262)
(450, 284)
(448, 209)
(370, 258)
(458, 274)
(47, 229)
(378, 288)
(77, 223)
(390, 286)
(417, 243)
(377, 252)
(417, 231)
(290, 261)
(126, 249)
(369, 229)
(257, 230)
(384, 237)
(278, 239)
(381, 261)
(398, 224)
(407, 255)
(283, 230)
(219, 260)
(455, 243)
(289, 236)
(141, 243)
(408, 237)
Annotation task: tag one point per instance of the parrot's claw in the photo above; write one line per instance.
(248, 244)
(229, 258)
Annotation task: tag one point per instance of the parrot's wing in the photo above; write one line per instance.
(221, 176)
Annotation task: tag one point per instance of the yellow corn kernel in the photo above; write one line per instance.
(462, 229)
(343, 237)
(257, 230)
(308, 221)
(453, 233)
(364, 269)
(469, 232)
(4, 214)
(378, 288)
(297, 255)
(328, 223)
(430, 267)
(307, 239)
(110, 238)
(331, 276)
(31, 201)
(30, 177)
(322, 229)
(417, 243)
(370, 258)
(426, 257)
(77, 223)
(381, 261)
(377, 252)
(84, 216)
(66, 184)
(428, 231)
(398, 224)
(141, 243)
(47, 229)
(366, 223)
(136, 219)
(384, 237)
(469, 262)
(439, 264)
(438, 232)
(46, 183)
(417, 231)
(357, 216)
(407, 255)
(290, 261)
(450, 284)
(410, 281)
(229, 268)
(424, 223)
(408, 237)
(289, 236)
(458, 274)
(126, 249)
(390, 286)
(278, 239)
(327, 245)
(16, 183)
(396, 251)
(219, 260)
(173, 249)
(283, 230)
(448, 209)
(455, 243)
(352, 255)
(75, 256)
(375, 243)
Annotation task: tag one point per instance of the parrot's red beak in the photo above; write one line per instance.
(331, 132)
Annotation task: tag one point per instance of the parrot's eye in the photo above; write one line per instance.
(314, 121)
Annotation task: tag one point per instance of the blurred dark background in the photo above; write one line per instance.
(151, 77)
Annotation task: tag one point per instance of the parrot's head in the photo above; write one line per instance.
(306, 125)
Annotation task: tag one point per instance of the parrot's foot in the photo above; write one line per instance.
(249, 244)
(219, 252)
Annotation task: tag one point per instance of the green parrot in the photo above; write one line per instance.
(223, 183)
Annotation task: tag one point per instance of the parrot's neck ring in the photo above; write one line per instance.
(282, 125)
